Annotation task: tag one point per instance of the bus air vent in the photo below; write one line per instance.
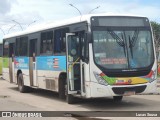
(50, 84)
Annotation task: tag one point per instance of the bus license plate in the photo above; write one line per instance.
(128, 93)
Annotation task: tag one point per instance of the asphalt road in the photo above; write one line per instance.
(41, 100)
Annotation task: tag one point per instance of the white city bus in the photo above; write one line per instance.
(90, 57)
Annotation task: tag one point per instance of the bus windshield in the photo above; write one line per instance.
(123, 49)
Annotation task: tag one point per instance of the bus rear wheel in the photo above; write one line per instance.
(117, 98)
(22, 88)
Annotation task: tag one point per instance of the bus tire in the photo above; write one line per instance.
(71, 99)
(117, 98)
(62, 87)
(21, 87)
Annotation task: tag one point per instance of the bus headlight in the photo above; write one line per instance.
(153, 76)
(100, 79)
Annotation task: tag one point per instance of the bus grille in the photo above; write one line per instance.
(121, 90)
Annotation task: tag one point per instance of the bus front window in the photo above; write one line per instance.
(109, 49)
(140, 49)
(123, 49)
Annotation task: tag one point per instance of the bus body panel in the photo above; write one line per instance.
(22, 64)
(48, 71)
(48, 79)
(86, 85)
(26, 77)
(5, 69)
(11, 70)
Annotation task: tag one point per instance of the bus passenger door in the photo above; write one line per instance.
(73, 63)
(11, 62)
(32, 62)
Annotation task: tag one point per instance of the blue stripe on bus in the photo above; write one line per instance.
(21, 62)
(53, 63)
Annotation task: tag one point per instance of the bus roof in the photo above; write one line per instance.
(50, 25)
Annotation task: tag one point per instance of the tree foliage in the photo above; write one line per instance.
(156, 33)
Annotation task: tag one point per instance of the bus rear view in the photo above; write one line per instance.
(122, 56)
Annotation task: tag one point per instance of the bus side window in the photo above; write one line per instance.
(46, 42)
(22, 46)
(57, 40)
(60, 41)
(6, 49)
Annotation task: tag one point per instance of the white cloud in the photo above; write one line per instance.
(5, 6)
(152, 12)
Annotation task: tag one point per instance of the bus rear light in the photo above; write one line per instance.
(100, 79)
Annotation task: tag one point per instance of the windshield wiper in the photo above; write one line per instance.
(134, 38)
(132, 41)
(118, 40)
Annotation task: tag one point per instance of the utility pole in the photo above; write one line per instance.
(31, 23)
(77, 10)
(94, 9)
(18, 24)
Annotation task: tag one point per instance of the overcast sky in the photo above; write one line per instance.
(26, 12)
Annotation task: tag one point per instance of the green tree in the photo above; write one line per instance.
(156, 33)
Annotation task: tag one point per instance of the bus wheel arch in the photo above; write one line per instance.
(62, 82)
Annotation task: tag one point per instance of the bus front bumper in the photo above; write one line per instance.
(94, 90)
